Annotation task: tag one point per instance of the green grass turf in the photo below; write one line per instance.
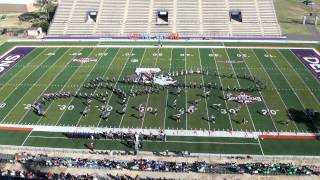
(39, 73)
(192, 144)
(272, 100)
(290, 13)
(291, 147)
(15, 138)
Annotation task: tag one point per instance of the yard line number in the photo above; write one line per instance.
(156, 54)
(27, 106)
(269, 56)
(214, 55)
(64, 107)
(2, 105)
(187, 54)
(225, 111)
(269, 111)
(240, 55)
(102, 54)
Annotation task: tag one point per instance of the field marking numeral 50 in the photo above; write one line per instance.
(2, 105)
(66, 107)
(269, 56)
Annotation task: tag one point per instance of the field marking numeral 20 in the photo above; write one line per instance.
(27, 106)
(271, 111)
(2, 105)
(65, 107)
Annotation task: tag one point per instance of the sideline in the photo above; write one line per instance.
(169, 132)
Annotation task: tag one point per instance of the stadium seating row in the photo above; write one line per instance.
(186, 17)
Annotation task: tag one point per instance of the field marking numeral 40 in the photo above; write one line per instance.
(242, 55)
(66, 107)
(214, 55)
(156, 54)
(271, 111)
(2, 105)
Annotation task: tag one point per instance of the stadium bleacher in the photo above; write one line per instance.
(186, 17)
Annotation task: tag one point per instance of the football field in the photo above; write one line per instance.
(219, 88)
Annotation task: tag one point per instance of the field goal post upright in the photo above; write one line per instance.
(311, 18)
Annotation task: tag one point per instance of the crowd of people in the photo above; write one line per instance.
(161, 136)
(167, 166)
(16, 174)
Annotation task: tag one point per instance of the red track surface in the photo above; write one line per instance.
(15, 128)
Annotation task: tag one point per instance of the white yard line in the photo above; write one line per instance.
(122, 117)
(115, 85)
(25, 140)
(264, 102)
(25, 92)
(80, 86)
(303, 105)
(305, 85)
(103, 76)
(226, 103)
(62, 86)
(266, 73)
(35, 67)
(185, 89)
(167, 96)
(173, 46)
(303, 66)
(204, 88)
(156, 61)
(245, 104)
(17, 65)
(54, 78)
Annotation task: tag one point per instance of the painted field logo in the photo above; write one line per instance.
(243, 98)
(310, 59)
(12, 58)
(8, 61)
(314, 63)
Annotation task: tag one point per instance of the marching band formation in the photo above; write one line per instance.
(111, 85)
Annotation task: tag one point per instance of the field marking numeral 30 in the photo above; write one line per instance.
(65, 107)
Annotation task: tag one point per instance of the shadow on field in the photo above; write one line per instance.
(308, 117)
